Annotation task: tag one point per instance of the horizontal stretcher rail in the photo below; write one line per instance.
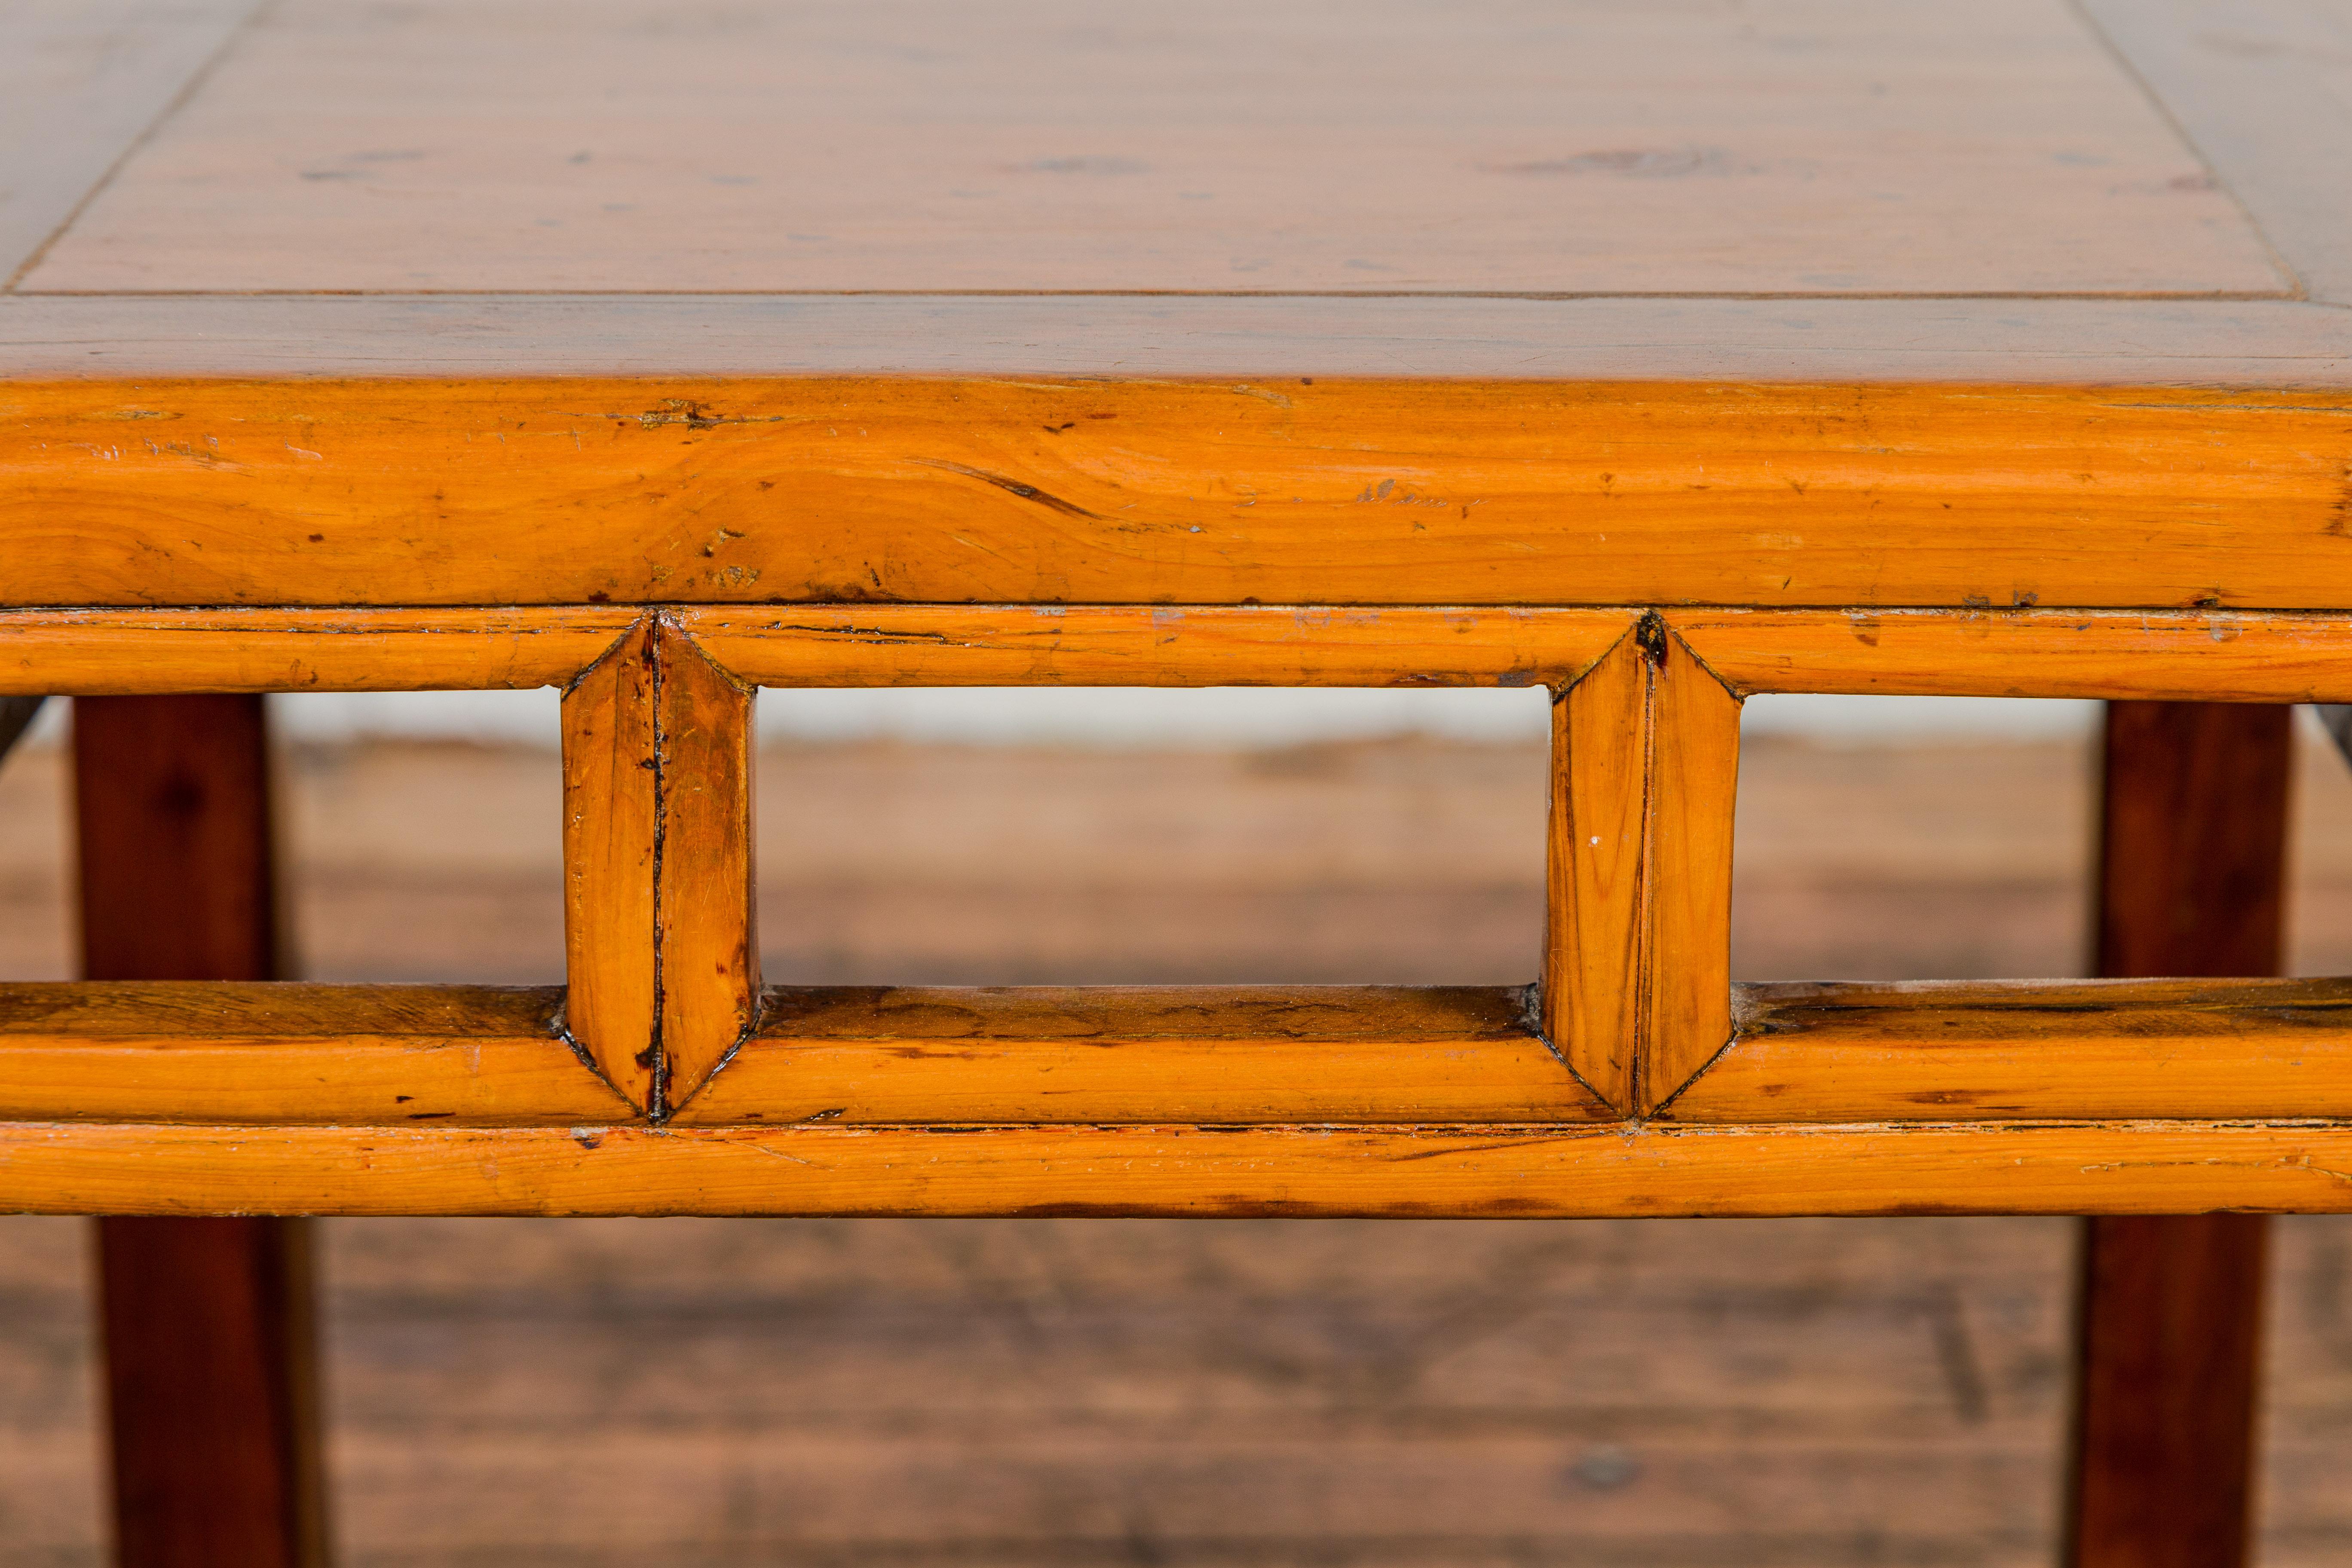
(266, 1052)
(2160, 655)
(665, 1025)
(917, 1054)
(116, 652)
(401, 1055)
(2278, 1050)
(1419, 1172)
(2145, 656)
(2005, 1049)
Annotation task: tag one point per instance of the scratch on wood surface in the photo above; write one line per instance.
(1013, 486)
(877, 635)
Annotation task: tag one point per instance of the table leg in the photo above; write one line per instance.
(209, 1348)
(2192, 861)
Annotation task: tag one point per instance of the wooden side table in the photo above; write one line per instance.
(1657, 359)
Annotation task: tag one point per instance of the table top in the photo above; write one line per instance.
(2021, 190)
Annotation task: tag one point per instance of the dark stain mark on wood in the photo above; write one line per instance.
(1012, 485)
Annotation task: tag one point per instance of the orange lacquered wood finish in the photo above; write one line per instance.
(106, 653)
(1597, 894)
(412, 492)
(280, 1053)
(1936, 357)
(1491, 1171)
(1685, 975)
(1633, 1022)
(706, 938)
(1191, 644)
(2207, 657)
(1104, 1055)
(2006, 1050)
(612, 815)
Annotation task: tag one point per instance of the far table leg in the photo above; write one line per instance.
(2192, 860)
(209, 1349)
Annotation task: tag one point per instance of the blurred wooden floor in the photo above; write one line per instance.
(1096, 1392)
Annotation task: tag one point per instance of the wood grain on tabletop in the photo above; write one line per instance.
(2259, 86)
(645, 147)
(1368, 492)
(79, 84)
(2053, 341)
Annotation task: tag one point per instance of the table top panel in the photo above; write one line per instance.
(2274, 344)
(79, 81)
(2263, 90)
(1791, 146)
